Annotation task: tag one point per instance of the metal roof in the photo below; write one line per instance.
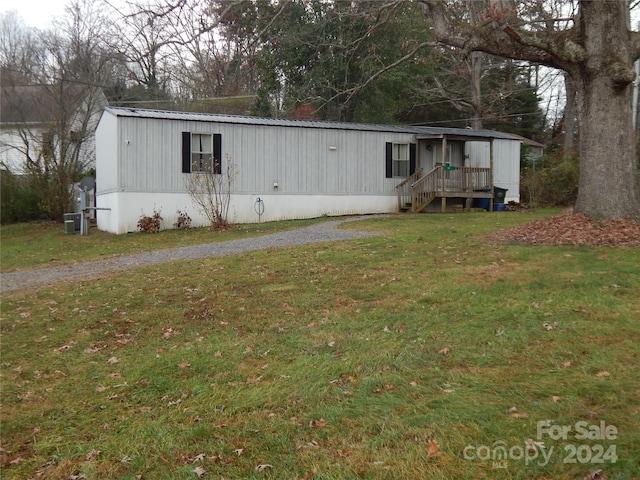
(435, 132)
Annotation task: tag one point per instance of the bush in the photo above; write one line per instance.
(151, 224)
(183, 222)
(19, 199)
(552, 183)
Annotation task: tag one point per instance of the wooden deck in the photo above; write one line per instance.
(418, 191)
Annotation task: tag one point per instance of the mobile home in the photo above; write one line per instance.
(288, 169)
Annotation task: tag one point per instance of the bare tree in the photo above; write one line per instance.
(52, 122)
(210, 190)
(591, 41)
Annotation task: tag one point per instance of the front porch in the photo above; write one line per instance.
(417, 191)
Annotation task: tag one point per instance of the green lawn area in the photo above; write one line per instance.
(425, 352)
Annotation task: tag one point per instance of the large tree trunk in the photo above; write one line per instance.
(608, 185)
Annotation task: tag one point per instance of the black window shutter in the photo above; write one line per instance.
(217, 152)
(186, 152)
(412, 158)
(389, 160)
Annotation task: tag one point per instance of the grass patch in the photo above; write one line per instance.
(329, 361)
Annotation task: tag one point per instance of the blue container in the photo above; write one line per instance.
(481, 202)
(498, 207)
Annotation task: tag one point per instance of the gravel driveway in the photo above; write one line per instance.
(322, 232)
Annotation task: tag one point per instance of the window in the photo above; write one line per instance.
(400, 159)
(201, 152)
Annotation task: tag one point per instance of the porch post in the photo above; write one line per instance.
(443, 200)
(491, 173)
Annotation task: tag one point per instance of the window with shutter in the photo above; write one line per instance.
(201, 152)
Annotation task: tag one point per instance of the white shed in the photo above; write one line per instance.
(287, 169)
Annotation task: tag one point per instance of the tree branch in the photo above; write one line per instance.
(500, 34)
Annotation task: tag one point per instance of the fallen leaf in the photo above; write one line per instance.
(92, 454)
(603, 374)
(318, 423)
(199, 471)
(595, 475)
(444, 351)
(566, 364)
(262, 467)
(389, 387)
(184, 365)
(433, 449)
(556, 399)
(238, 451)
(512, 410)
(413, 383)
(532, 445)
(520, 415)
(113, 360)
(199, 458)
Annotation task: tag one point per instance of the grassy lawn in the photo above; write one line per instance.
(415, 354)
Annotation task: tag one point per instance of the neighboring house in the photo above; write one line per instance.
(291, 168)
(37, 121)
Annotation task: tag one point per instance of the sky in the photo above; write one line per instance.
(36, 13)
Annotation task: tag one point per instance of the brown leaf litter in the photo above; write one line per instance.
(572, 228)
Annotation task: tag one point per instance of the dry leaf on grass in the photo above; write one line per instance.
(532, 445)
(444, 351)
(595, 475)
(520, 415)
(262, 467)
(92, 454)
(318, 423)
(603, 374)
(199, 471)
(433, 449)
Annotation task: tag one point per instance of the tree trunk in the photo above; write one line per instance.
(476, 91)
(570, 130)
(608, 162)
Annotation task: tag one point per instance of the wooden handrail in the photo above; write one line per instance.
(450, 179)
(404, 188)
